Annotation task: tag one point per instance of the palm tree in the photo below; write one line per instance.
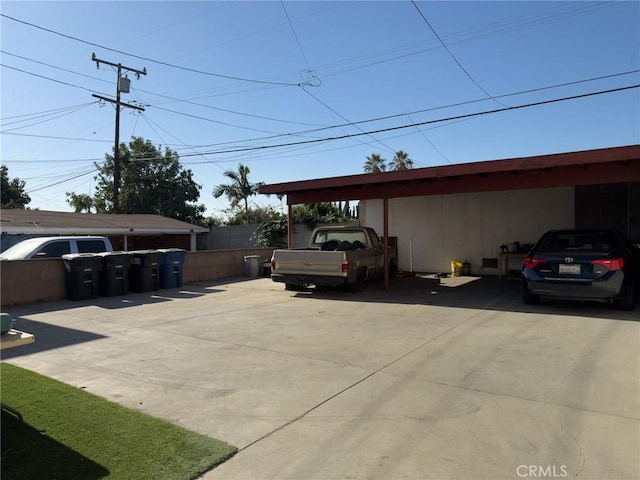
(239, 190)
(375, 164)
(401, 161)
(80, 202)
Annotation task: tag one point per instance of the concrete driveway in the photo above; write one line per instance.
(450, 380)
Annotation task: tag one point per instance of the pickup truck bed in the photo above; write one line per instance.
(331, 263)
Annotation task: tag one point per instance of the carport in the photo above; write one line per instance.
(615, 166)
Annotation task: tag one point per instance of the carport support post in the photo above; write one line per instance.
(289, 225)
(385, 213)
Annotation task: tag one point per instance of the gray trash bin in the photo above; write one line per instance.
(252, 265)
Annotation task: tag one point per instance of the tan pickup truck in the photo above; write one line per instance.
(336, 256)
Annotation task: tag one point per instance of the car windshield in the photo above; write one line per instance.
(577, 242)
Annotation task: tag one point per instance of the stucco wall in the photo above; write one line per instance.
(231, 236)
(28, 281)
(438, 229)
(31, 281)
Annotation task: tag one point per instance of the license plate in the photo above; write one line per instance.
(569, 269)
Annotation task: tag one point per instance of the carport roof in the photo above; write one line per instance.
(589, 167)
(16, 221)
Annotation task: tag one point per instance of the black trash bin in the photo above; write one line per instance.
(144, 274)
(171, 267)
(82, 275)
(114, 276)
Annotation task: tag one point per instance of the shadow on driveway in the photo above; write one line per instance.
(48, 337)
(489, 293)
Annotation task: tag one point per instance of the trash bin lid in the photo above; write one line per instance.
(81, 260)
(145, 253)
(115, 258)
(173, 255)
(81, 257)
(144, 257)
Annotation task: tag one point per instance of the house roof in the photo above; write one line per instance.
(589, 167)
(16, 221)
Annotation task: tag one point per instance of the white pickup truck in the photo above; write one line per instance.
(336, 256)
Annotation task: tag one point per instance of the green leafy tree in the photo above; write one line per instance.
(152, 182)
(256, 215)
(12, 191)
(272, 233)
(401, 161)
(310, 214)
(375, 164)
(239, 190)
(80, 202)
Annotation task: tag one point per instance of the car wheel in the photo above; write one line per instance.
(528, 297)
(626, 300)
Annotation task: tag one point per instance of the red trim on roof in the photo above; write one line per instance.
(589, 167)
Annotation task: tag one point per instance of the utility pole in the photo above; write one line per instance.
(122, 84)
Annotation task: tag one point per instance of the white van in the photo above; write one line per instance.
(55, 247)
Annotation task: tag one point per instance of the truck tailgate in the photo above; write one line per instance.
(312, 262)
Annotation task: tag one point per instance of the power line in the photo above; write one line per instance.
(306, 132)
(44, 113)
(58, 182)
(457, 117)
(146, 91)
(321, 102)
(452, 55)
(465, 36)
(351, 124)
(260, 117)
(46, 78)
(413, 125)
(214, 121)
(166, 64)
(295, 35)
(51, 66)
(401, 127)
(441, 107)
(59, 115)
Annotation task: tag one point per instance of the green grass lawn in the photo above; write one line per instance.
(68, 433)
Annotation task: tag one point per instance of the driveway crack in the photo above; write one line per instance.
(355, 384)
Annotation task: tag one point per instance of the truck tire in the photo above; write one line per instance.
(359, 282)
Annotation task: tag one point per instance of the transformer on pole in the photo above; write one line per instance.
(122, 86)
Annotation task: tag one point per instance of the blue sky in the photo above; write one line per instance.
(239, 82)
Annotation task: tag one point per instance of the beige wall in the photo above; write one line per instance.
(32, 281)
(433, 230)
